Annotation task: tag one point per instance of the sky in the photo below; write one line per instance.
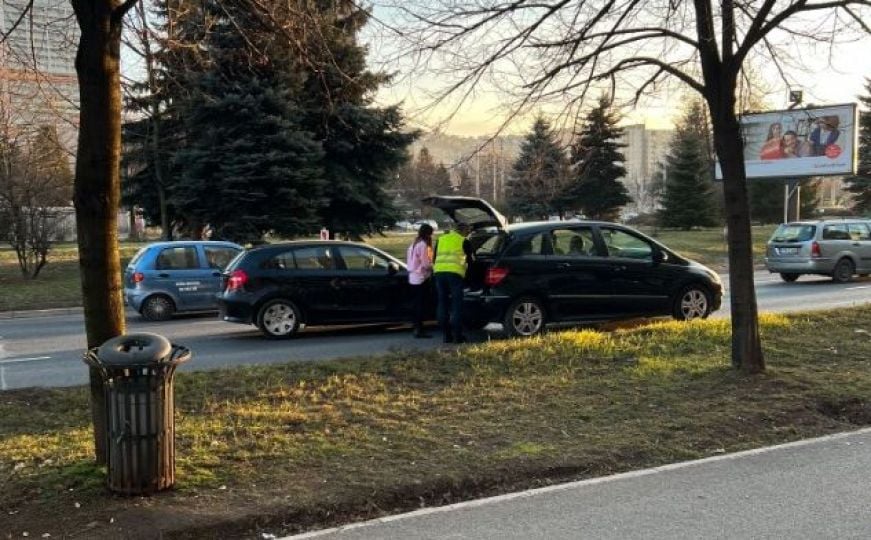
(823, 79)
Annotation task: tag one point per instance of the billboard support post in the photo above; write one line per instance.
(791, 188)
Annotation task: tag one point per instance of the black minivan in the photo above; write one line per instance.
(526, 275)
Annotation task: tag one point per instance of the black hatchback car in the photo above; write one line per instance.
(281, 286)
(529, 274)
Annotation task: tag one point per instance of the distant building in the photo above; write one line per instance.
(645, 150)
(38, 84)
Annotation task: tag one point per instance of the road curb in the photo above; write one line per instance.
(35, 313)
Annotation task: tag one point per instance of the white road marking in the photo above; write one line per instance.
(859, 287)
(2, 378)
(19, 360)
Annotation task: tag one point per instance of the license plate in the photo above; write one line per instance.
(787, 251)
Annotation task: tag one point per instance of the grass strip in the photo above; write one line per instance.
(285, 448)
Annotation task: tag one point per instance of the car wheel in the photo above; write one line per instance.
(525, 317)
(279, 319)
(693, 302)
(157, 308)
(789, 278)
(843, 272)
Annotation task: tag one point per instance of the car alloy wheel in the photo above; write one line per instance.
(692, 303)
(279, 319)
(157, 308)
(843, 271)
(525, 317)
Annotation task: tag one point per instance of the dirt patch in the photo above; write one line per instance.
(853, 410)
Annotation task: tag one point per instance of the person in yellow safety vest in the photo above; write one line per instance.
(453, 254)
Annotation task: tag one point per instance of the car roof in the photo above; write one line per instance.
(829, 221)
(302, 243)
(170, 243)
(538, 226)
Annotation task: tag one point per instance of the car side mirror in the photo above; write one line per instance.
(392, 268)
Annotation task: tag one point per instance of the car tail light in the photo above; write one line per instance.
(495, 275)
(138, 277)
(238, 279)
(815, 250)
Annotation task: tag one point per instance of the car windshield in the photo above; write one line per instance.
(794, 232)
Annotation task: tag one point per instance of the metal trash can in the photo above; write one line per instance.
(137, 371)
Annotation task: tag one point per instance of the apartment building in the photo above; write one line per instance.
(645, 150)
(38, 84)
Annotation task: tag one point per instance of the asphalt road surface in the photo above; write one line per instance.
(814, 489)
(47, 351)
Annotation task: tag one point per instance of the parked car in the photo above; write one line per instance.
(529, 274)
(172, 277)
(839, 248)
(281, 287)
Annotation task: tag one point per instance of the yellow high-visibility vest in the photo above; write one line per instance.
(449, 254)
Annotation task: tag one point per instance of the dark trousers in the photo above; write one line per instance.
(450, 308)
(420, 301)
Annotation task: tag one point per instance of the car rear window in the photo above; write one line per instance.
(792, 232)
(236, 261)
(138, 256)
(488, 245)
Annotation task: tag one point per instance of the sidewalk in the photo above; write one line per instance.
(33, 313)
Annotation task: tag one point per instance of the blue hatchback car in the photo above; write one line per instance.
(169, 277)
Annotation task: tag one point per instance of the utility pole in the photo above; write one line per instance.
(478, 174)
(493, 161)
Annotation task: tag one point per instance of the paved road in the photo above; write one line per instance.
(47, 351)
(814, 489)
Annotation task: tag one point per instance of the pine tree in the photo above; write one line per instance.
(169, 37)
(860, 184)
(598, 165)
(248, 168)
(363, 144)
(536, 182)
(687, 197)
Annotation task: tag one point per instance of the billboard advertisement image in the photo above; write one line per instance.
(799, 143)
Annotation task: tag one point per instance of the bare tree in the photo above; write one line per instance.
(557, 51)
(35, 183)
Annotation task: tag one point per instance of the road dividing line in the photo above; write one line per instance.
(19, 360)
(2, 378)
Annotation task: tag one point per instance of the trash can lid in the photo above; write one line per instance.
(134, 350)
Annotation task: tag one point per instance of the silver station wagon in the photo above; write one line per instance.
(840, 248)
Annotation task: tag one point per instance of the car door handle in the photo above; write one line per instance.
(162, 275)
(857, 244)
(563, 266)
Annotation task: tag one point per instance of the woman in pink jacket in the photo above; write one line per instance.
(419, 258)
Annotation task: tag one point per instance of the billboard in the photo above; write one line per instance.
(799, 143)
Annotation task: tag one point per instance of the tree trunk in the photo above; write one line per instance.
(746, 343)
(97, 184)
